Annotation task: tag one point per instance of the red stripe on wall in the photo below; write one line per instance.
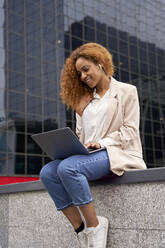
(9, 180)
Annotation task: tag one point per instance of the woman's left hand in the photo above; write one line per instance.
(93, 145)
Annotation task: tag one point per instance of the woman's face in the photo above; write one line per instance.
(88, 72)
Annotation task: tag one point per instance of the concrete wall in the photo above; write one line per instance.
(136, 213)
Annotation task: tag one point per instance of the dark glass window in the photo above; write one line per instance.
(89, 21)
(32, 147)
(3, 140)
(112, 31)
(33, 48)
(49, 35)
(34, 105)
(134, 66)
(32, 10)
(89, 33)
(15, 23)
(123, 35)
(19, 164)
(133, 51)
(16, 101)
(50, 123)
(3, 163)
(123, 47)
(143, 55)
(124, 62)
(34, 124)
(112, 43)
(33, 66)
(34, 86)
(16, 62)
(133, 40)
(16, 120)
(144, 69)
(49, 53)
(16, 42)
(49, 72)
(50, 90)
(101, 38)
(50, 108)
(101, 27)
(67, 41)
(34, 165)
(77, 30)
(20, 142)
(161, 61)
(33, 30)
(152, 59)
(16, 6)
(124, 76)
(76, 43)
(49, 18)
(16, 81)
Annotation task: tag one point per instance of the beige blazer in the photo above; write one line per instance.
(122, 125)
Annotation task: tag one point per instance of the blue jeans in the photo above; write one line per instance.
(67, 180)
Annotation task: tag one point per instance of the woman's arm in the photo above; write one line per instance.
(130, 128)
(84, 101)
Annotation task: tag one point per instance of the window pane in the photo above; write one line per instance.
(34, 124)
(16, 81)
(32, 146)
(19, 164)
(34, 165)
(50, 108)
(16, 62)
(16, 101)
(20, 142)
(34, 105)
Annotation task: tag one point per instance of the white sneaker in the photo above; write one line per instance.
(82, 239)
(97, 236)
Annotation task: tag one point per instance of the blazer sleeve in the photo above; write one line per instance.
(130, 128)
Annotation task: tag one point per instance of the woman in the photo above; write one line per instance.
(107, 113)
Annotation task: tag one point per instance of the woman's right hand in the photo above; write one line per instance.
(84, 101)
(93, 145)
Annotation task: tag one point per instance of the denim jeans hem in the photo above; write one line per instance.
(82, 204)
(75, 204)
(66, 206)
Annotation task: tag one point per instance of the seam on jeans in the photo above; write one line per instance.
(82, 190)
(92, 160)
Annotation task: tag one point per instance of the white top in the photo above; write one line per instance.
(93, 119)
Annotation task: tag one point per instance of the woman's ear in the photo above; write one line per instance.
(100, 66)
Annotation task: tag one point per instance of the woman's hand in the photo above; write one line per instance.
(84, 101)
(93, 145)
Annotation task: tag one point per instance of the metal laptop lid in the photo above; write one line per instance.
(60, 143)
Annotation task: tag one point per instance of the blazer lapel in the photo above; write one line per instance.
(113, 105)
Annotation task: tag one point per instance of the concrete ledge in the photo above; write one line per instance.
(135, 213)
(138, 176)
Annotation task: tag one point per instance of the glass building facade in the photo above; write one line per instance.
(36, 36)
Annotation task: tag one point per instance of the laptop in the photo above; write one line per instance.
(61, 143)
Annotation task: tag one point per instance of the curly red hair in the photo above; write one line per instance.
(72, 88)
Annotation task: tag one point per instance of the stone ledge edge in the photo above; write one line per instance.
(132, 176)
